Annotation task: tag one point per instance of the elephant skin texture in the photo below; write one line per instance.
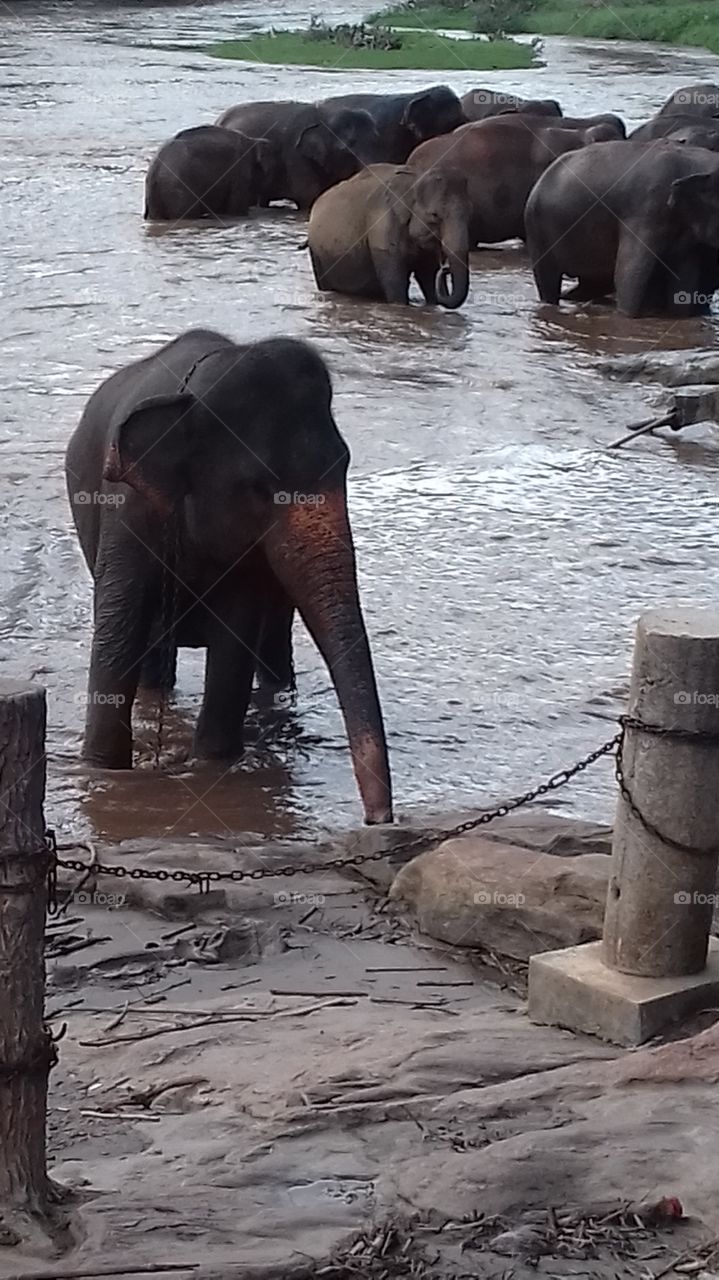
(369, 235)
(209, 172)
(640, 220)
(403, 120)
(482, 104)
(501, 160)
(219, 469)
(676, 127)
(317, 146)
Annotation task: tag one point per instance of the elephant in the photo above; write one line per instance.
(669, 126)
(209, 172)
(640, 220)
(693, 136)
(695, 100)
(369, 235)
(317, 146)
(501, 159)
(207, 483)
(405, 119)
(482, 104)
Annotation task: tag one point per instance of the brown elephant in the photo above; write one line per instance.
(501, 160)
(369, 235)
(209, 172)
(482, 104)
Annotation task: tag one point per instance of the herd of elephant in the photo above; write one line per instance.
(406, 185)
(207, 481)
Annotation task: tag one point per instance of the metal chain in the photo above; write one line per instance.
(204, 879)
(698, 738)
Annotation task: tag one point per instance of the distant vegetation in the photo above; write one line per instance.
(375, 46)
(690, 23)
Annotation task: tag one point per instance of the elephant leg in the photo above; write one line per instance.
(392, 274)
(232, 638)
(275, 666)
(425, 273)
(635, 266)
(119, 643)
(548, 277)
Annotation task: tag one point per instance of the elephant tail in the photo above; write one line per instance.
(305, 245)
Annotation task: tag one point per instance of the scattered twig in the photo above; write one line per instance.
(150, 1268)
(642, 428)
(687, 1256)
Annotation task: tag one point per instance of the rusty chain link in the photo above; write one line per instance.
(204, 879)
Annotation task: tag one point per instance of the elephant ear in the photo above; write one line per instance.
(688, 189)
(312, 142)
(417, 115)
(151, 449)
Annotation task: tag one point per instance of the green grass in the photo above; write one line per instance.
(434, 16)
(421, 51)
(691, 23)
(688, 24)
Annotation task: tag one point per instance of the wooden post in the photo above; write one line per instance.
(25, 1045)
(660, 901)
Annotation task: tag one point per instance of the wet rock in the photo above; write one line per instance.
(522, 1242)
(475, 892)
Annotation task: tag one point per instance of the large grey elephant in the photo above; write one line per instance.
(209, 172)
(403, 120)
(370, 235)
(213, 476)
(317, 146)
(671, 125)
(640, 220)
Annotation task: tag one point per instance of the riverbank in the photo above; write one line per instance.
(419, 51)
(689, 24)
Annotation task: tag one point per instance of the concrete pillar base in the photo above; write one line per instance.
(573, 988)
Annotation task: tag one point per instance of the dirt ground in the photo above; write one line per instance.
(284, 1080)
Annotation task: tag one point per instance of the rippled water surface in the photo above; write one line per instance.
(504, 553)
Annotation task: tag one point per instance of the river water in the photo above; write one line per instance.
(504, 554)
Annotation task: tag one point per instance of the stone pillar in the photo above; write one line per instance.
(656, 963)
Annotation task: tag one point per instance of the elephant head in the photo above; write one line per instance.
(439, 214)
(257, 468)
(696, 199)
(340, 142)
(433, 112)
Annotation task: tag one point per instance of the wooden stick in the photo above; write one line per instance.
(641, 429)
(151, 1268)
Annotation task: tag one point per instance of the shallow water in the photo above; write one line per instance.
(504, 554)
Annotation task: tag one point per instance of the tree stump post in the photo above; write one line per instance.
(662, 887)
(26, 1049)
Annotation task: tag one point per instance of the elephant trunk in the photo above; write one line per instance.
(452, 282)
(309, 548)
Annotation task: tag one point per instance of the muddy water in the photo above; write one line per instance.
(504, 553)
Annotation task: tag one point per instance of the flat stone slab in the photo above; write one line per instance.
(574, 989)
(476, 892)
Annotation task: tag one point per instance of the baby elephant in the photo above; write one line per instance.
(208, 172)
(369, 235)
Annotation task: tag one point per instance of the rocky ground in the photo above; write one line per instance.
(287, 1078)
